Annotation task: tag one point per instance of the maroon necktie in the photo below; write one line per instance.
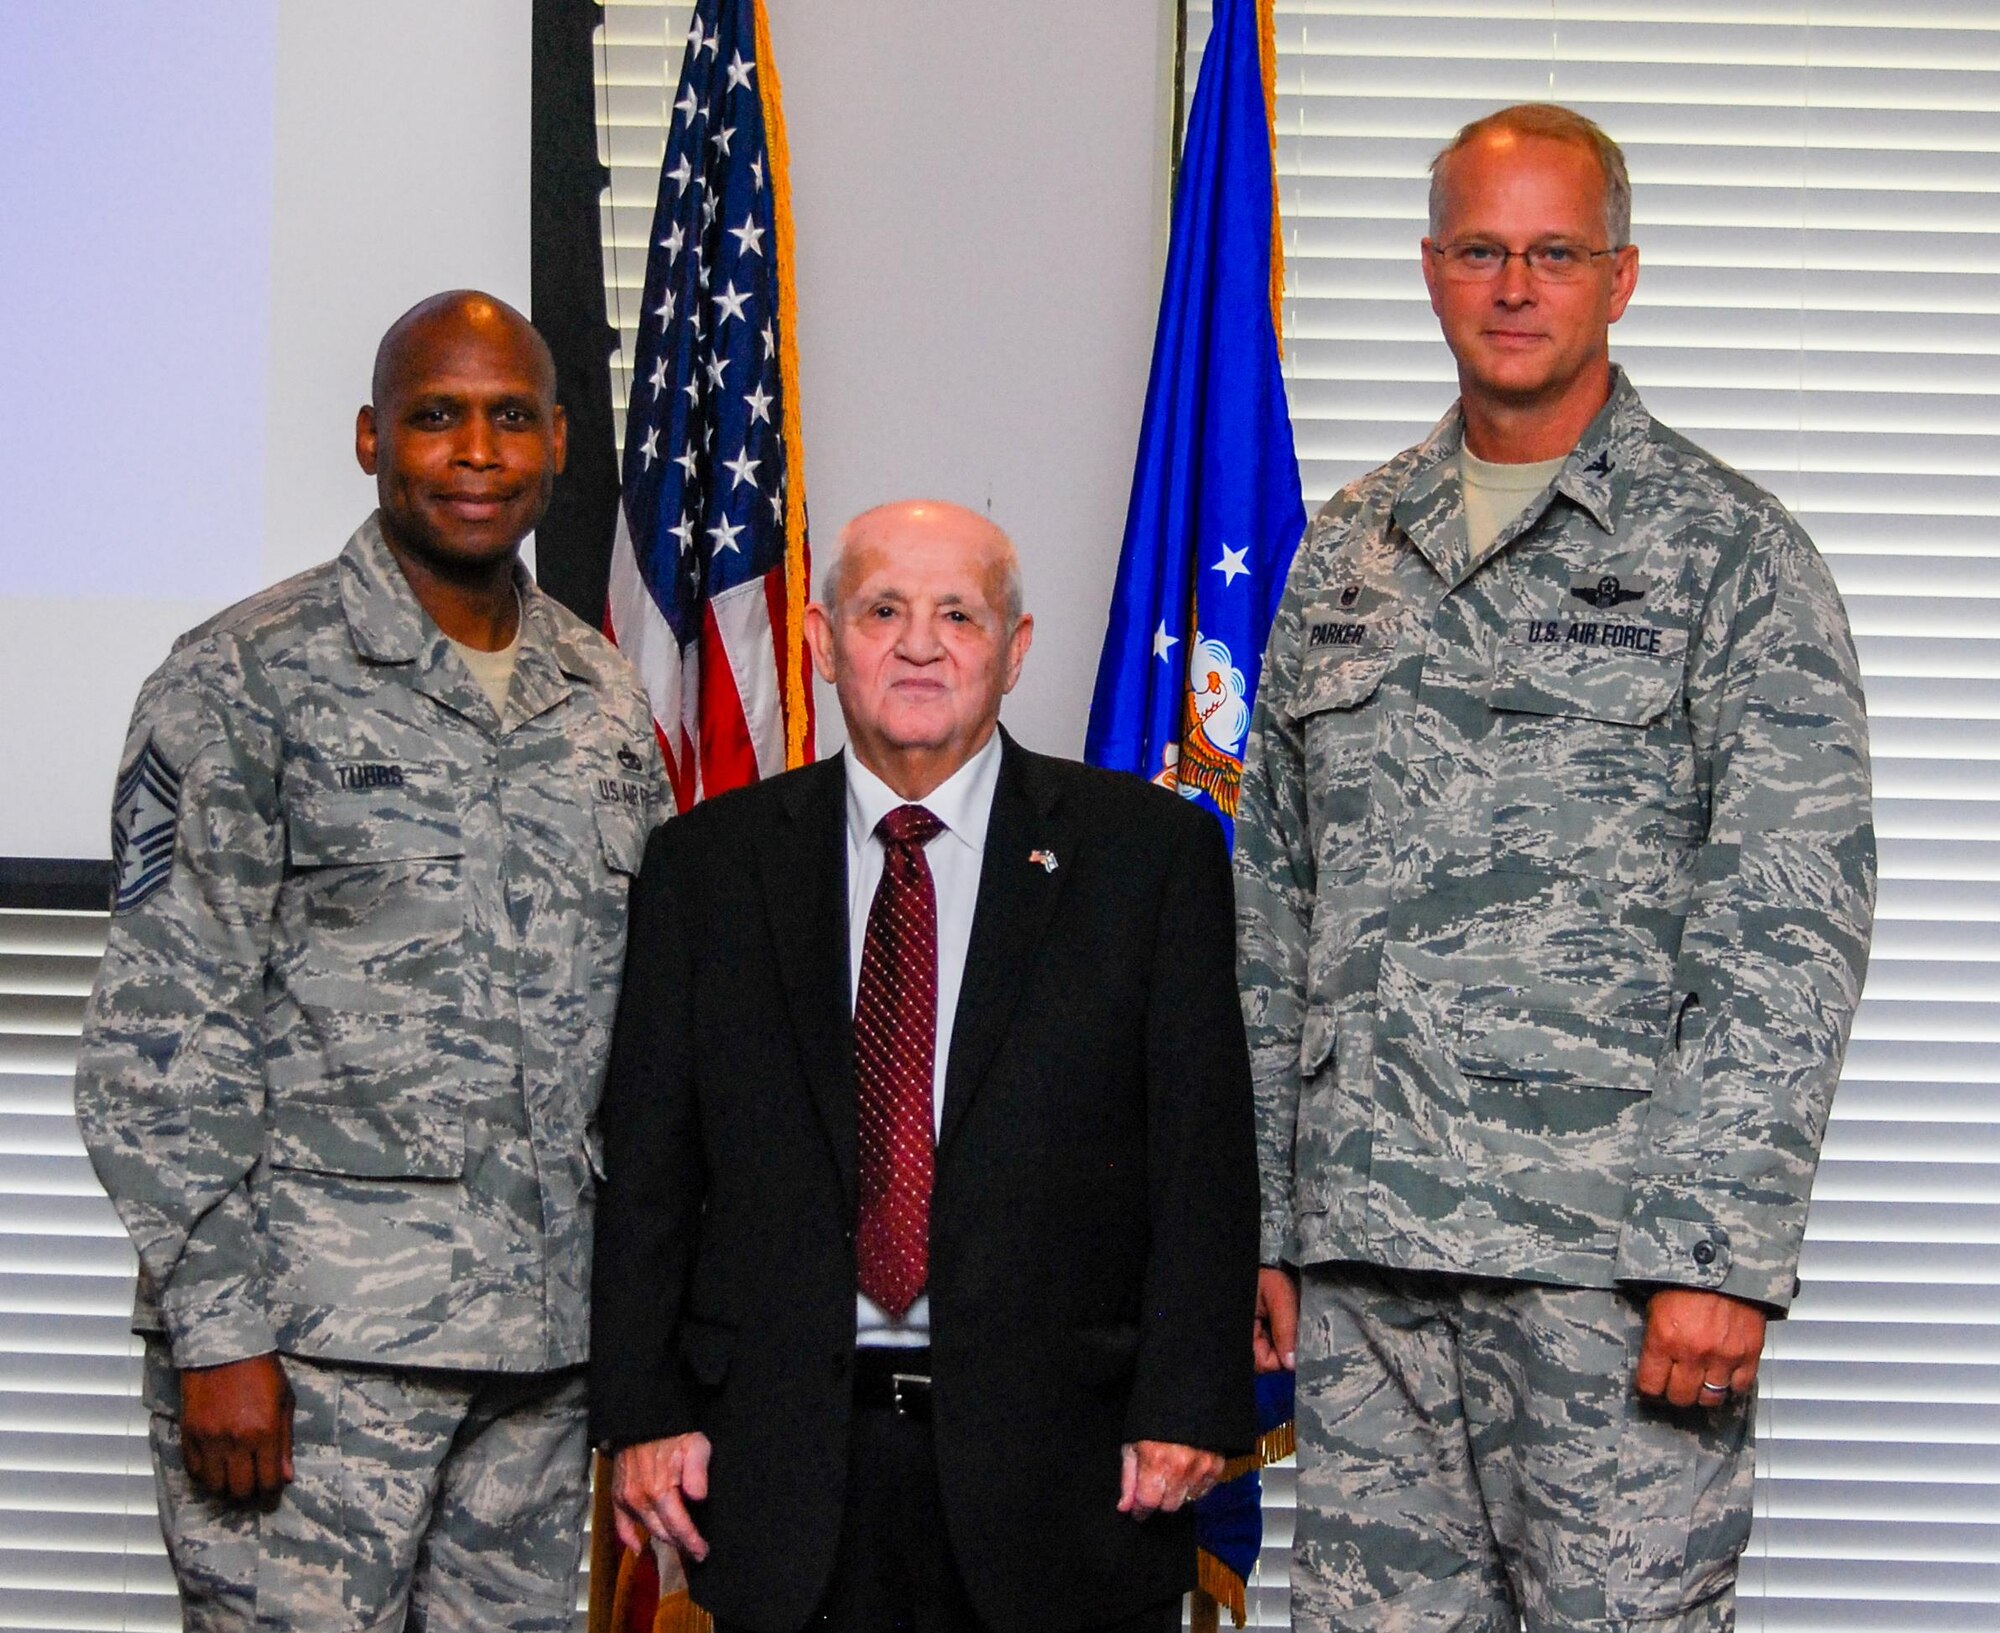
(895, 1047)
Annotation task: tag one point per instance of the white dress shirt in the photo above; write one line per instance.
(963, 803)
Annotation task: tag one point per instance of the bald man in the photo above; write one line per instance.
(927, 1238)
(374, 835)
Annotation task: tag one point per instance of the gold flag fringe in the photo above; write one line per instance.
(621, 1596)
(1275, 1445)
(1215, 1582)
(678, 1613)
(1221, 1584)
(798, 557)
(1267, 56)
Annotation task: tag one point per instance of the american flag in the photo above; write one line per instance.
(709, 566)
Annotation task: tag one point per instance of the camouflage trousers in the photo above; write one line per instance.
(441, 1501)
(1473, 1458)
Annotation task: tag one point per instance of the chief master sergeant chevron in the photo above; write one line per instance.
(1554, 881)
(373, 838)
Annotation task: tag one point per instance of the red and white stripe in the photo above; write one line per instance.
(718, 706)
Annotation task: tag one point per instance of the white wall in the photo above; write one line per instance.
(397, 165)
(401, 169)
(979, 193)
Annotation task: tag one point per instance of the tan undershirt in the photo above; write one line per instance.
(1496, 494)
(493, 670)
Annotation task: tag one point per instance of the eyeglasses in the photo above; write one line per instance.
(1476, 262)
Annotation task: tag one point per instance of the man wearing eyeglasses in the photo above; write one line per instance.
(1555, 874)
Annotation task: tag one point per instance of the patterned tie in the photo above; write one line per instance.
(895, 1048)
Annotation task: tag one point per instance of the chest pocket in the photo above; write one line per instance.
(1333, 706)
(372, 912)
(1597, 772)
(364, 813)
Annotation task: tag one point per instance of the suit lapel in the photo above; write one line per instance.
(805, 895)
(1017, 898)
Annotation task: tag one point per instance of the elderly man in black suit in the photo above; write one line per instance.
(927, 1244)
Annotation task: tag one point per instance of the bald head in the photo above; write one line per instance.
(927, 519)
(451, 314)
(1550, 122)
(464, 436)
(919, 629)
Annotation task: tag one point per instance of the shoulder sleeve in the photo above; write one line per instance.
(1775, 945)
(170, 1087)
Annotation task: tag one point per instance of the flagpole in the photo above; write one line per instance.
(1180, 97)
(1267, 56)
(798, 560)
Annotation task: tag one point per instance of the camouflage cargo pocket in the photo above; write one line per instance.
(372, 908)
(1599, 771)
(1683, 1507)
(362, 1204)
(1555, 1100)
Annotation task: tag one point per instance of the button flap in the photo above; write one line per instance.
(1560, 1046)
(366, 1142)
(622, 831)
(1620, 671)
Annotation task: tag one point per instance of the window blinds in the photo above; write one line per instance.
(639, 46)
(1817, 202)
(79, 1540)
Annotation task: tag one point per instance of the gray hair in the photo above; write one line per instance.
(1555, 123)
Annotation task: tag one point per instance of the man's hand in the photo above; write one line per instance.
(651, 1485)
(1159, 1476)
(236, 1428)
(1274, 1335)
(1700, 1348)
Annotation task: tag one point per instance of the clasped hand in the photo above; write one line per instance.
(1158, 1476)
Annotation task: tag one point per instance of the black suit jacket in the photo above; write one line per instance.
(1093, 1220)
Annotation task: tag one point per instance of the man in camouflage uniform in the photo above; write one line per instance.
(1554, 881)
(373, 839)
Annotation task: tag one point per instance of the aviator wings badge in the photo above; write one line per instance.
(1607, 592)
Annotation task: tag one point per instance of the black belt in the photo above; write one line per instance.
(894, 1380)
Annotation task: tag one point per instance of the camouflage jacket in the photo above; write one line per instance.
(1554, 875)
(340, 1063)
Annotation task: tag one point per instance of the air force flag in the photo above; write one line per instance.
(1215, 512)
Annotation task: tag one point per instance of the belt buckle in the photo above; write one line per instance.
(918, 1387)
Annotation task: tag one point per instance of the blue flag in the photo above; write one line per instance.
(1215, 513)
(1229, 1521)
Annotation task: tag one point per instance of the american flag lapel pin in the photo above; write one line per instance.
(1045, 860)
